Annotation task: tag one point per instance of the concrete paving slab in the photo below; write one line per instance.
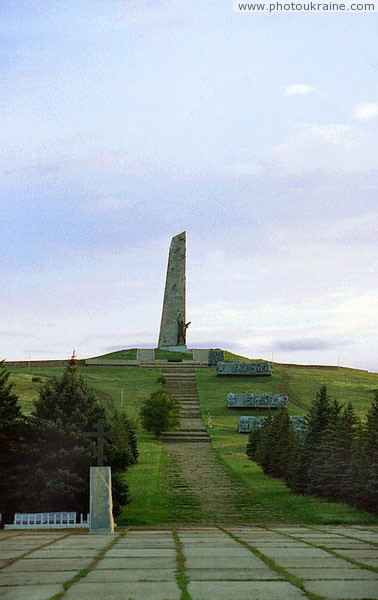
(367, 536)
(208, 551)
(27, 541)
(208, 542)
(291, 529)
(283, 543)
(351, 531)
(252, 539)
(370, 553)
(35, 592)
(52, 552)
(243, 562)
(117, 576)
(53, 564)
(323, 574)
(118, 591)
(343, 544)
(289, 551)
(243, 590)
(145, 553)
(34, 578)
(7, 554)
(343, 590)
(232, 574)
(125, 543)
(135, 563)
(88, 541)
(311, 561)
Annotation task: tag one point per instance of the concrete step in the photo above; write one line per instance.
(185, 437)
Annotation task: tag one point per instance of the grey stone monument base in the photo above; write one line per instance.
(101, 502)
(175, 348)
(145, 354)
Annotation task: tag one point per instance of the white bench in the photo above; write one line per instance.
(49, 520)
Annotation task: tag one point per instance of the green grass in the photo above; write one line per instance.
(279, 503)
(126, 354)
(155, 501)
(169, 355)
(231, 357)
(108, 383)
(345, 385)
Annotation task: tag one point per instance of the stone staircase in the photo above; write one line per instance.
(180, 380)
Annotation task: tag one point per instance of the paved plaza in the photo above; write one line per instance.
(233, 563)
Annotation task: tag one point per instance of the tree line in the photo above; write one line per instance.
(45, 458)
(336, 457)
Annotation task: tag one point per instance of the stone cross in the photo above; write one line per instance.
(100, 434)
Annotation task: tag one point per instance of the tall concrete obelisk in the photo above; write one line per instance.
(173, 324)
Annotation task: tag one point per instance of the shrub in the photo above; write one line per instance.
(160, 412)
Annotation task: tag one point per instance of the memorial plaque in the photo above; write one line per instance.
(245, 368)
(215, 356)
(256, 400)
(247, 424)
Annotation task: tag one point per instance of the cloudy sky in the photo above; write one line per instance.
(125, 122)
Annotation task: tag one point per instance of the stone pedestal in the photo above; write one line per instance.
(101, 502)
(175, 348)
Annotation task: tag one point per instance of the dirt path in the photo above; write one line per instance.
(195, 467)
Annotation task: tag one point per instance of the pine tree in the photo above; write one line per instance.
(330, 472)
(262, 452)
(284, 442)
(61, 454)
(367, 493)
(11, 434)
(317, 422)
(253, 441)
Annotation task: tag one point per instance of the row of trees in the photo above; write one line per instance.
(45, 458)
(335, 458)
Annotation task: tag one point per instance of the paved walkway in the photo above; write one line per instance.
(231, 563)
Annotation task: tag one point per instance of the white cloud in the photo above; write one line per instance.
(334, 134)
(243, 170)
(299, 88)
(366, 111)
(334, 147)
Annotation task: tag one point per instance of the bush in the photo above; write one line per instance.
(160, 412)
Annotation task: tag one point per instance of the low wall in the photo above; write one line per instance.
(25, 364)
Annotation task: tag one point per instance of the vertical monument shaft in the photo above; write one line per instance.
(173, 325)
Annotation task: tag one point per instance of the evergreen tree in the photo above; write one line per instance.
(317, 421)
(283, 439)
(253, 441)
(12, 426)
(273, 444)
(330, 472)
(61, 454)
(262, 452)
(366, 495)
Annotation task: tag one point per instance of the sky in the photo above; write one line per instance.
(125, 122)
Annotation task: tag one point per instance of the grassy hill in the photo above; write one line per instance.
(299, 383)
(154, 502)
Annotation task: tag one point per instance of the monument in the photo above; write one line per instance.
(244, 368)
(249, 424)
(173, 324)
(256, 400)
(101, 501)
